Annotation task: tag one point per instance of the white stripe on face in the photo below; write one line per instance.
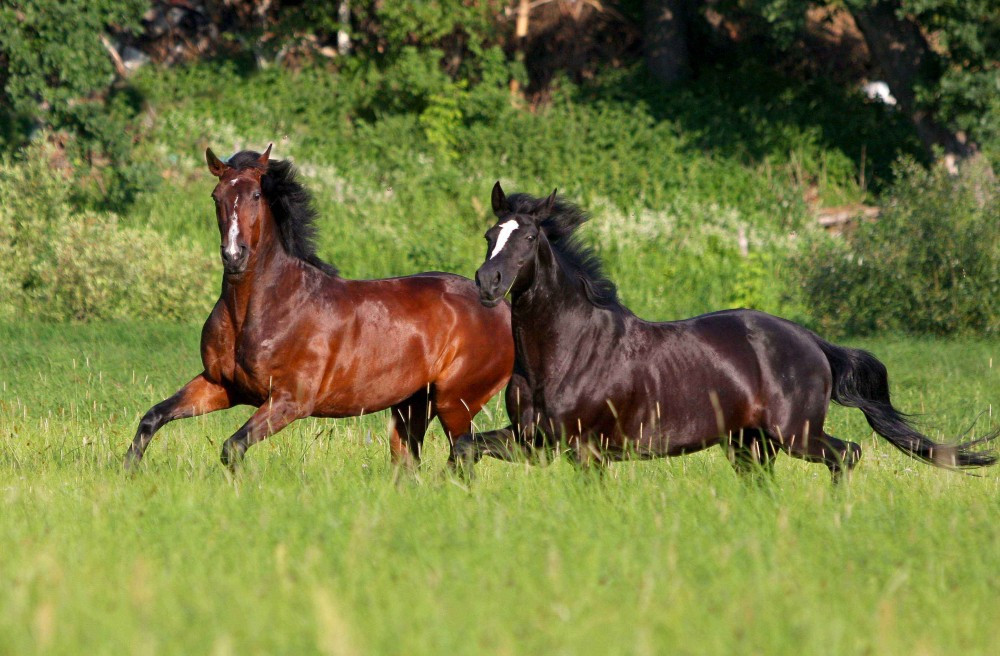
(232, 247)
(506, 230)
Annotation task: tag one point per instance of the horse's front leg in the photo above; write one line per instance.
(277, 411)
(198, 397)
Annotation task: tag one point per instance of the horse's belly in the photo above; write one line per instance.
(368, 391)
(690, 419)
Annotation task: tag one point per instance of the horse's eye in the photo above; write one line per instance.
(530, 237)
(256, 195)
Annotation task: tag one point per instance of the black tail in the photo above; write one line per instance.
(860, 381)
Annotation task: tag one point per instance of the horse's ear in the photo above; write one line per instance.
(498, 199)
(215, 165)
(549, 203)
(262, 160)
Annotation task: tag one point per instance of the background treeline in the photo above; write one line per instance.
(707, 137)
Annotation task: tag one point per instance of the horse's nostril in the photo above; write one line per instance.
(496, 278)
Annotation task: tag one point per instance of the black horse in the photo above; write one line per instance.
(595, 380)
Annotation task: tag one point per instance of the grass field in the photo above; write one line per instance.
(315, 549)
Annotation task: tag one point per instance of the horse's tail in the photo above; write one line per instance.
(861, 381)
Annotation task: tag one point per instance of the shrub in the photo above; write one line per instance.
(59, 263)
(929, 265)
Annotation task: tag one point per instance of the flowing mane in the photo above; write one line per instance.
(291, 205)
(573, 255)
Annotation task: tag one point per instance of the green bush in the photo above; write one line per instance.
(59, 263)
(929, 265)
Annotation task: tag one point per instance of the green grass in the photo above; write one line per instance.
(315, 549)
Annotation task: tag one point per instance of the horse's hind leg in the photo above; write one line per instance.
(408, 426)
(751, 454)
(198, 397)
(839, 456)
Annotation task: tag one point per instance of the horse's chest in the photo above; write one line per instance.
(254, 365)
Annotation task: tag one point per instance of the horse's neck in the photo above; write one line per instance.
(550, 318)
(248, 296)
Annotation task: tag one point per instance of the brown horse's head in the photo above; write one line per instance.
(240, 209)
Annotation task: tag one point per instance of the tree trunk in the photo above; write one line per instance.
(903, 55)
(520, 39)
(343, 32)
(665, 39)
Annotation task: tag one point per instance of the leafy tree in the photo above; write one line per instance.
(55, 65)
(939, 58)
(665, 36)
(55, 73)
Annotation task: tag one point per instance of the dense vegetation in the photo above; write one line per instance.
(704, 193)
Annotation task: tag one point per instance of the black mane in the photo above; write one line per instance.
(291, 205)
(579, 259)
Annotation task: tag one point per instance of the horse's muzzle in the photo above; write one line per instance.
(235, 264)
(491, 289)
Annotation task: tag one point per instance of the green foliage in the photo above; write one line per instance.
(59, 263)
(468, 26)
(967, 93)
(930, 264)
(401, 151)
(671, 179)
(54, 55)
(960, 82)
(57, 75)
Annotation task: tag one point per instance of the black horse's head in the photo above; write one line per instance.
(512, 245)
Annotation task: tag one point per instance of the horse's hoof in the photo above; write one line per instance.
(231, 456)
(463, 468)
(131, 461)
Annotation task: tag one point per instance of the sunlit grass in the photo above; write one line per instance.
(317, 548)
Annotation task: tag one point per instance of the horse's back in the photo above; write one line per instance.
(432, 292)
(776, 343)
(475, 357)
(789, 361)
(394, 336)
(735, 362)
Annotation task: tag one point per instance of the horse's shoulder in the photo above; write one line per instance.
(217, 343)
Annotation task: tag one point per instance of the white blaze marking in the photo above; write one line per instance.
(234, 232)
(506, 230)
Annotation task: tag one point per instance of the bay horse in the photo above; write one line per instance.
(293, 338)
(595, 380)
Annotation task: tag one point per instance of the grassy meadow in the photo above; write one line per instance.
(316, 547)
